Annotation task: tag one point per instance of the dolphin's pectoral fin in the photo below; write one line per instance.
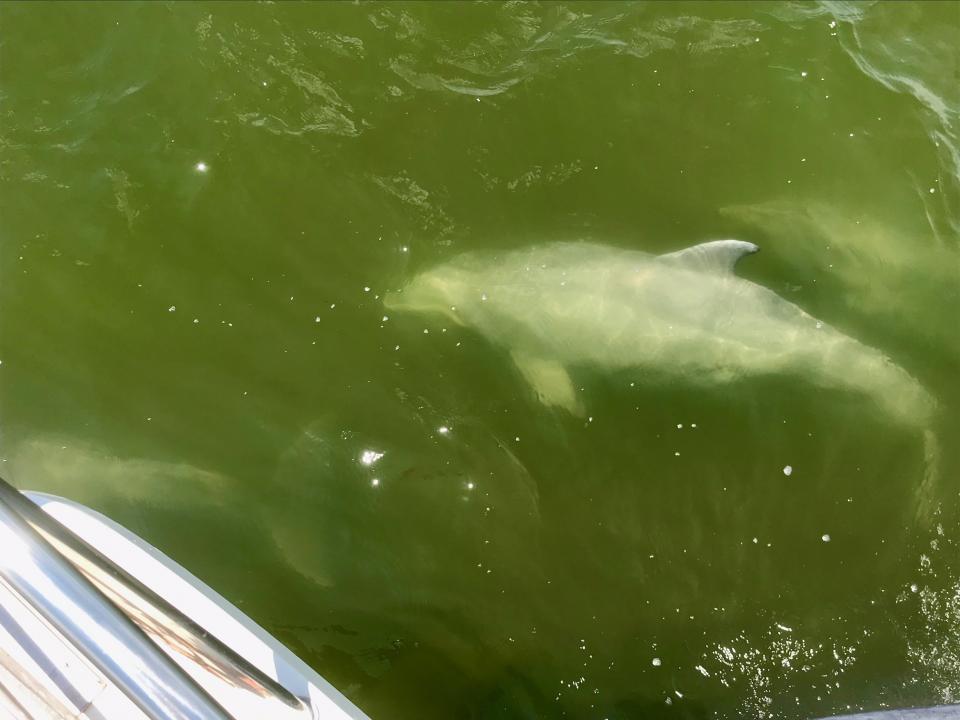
(550, 381)
(716, 256)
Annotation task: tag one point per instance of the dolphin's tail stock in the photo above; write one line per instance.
(905, 400)
(918, 410)
(927, 493)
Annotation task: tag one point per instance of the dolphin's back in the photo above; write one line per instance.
(586, 303)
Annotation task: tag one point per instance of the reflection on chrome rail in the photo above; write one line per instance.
(64, 604)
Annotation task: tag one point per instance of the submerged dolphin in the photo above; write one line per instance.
(885, 272)
(569, 305)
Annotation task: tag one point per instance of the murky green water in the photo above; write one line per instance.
(203, 205)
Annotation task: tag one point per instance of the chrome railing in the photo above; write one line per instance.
(157, 656)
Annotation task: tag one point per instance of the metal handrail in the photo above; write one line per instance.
(91, 623)
(76, 588)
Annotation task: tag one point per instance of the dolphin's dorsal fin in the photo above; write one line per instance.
(715, 256)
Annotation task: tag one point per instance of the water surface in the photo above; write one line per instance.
(203, 205)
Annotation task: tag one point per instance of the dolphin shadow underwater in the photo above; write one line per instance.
(684, 314)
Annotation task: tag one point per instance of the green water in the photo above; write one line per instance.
(202, 206)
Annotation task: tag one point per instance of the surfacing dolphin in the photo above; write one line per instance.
(568, 305)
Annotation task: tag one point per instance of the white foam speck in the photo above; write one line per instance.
(369, 457)
(172, 308)
(825, 537)
(201, 167)
(375, 482)
(788, 470)
(443, 430)
(656, 662)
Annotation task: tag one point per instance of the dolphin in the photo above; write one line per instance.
(885, 272)
(569, 305)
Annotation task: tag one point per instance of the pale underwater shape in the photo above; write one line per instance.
(318, 518)
(82, 471)
(686, 314)
(887, 275)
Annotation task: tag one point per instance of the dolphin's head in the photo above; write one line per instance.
(428, 292)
